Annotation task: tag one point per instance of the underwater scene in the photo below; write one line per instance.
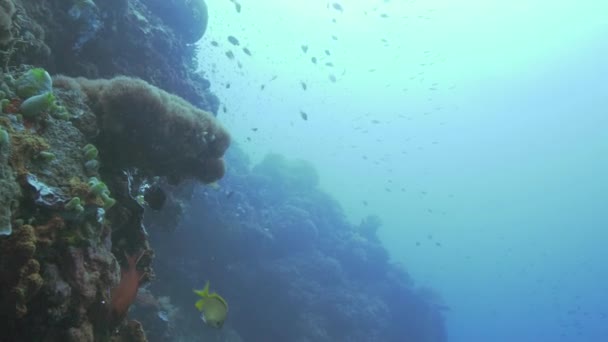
(303, 171)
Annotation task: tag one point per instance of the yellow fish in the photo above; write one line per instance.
(214, 186)
(212, 306)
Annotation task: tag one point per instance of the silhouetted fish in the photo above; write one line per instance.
(337, 7)
(237, 6)
(232, 40)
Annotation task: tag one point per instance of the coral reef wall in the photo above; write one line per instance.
(76, 154)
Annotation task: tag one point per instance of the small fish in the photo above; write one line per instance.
(163, 315)
(232, 40)
(214, 43)
(230, 54)
(383, 15)
(304, 48)
(329, 64)
(214, 186)
(228, 85)
(246, 51)
(262, 86)
(304, 87)
(248, 138)
(237, 6)
(212, 306)
(332, 78)
(224, 109)
(314, 60)
(327, 52)
(334, 37)
(255, 129)
(337, 7)
(304, 115)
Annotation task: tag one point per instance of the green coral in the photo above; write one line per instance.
(47, 156)
(59, 112)
(5, 139)
(75, 204)
(33, 106)
(4, 103)
(99, 188)
(91, 167)
(90, 151)
(34, 82)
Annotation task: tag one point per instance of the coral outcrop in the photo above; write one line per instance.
(145, 127)
(74, 159)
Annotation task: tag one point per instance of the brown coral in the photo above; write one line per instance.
(46, 233)
(19, 271)
(153, 130)
(25, 146)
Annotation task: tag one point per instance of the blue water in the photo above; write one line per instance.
(489, 174)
